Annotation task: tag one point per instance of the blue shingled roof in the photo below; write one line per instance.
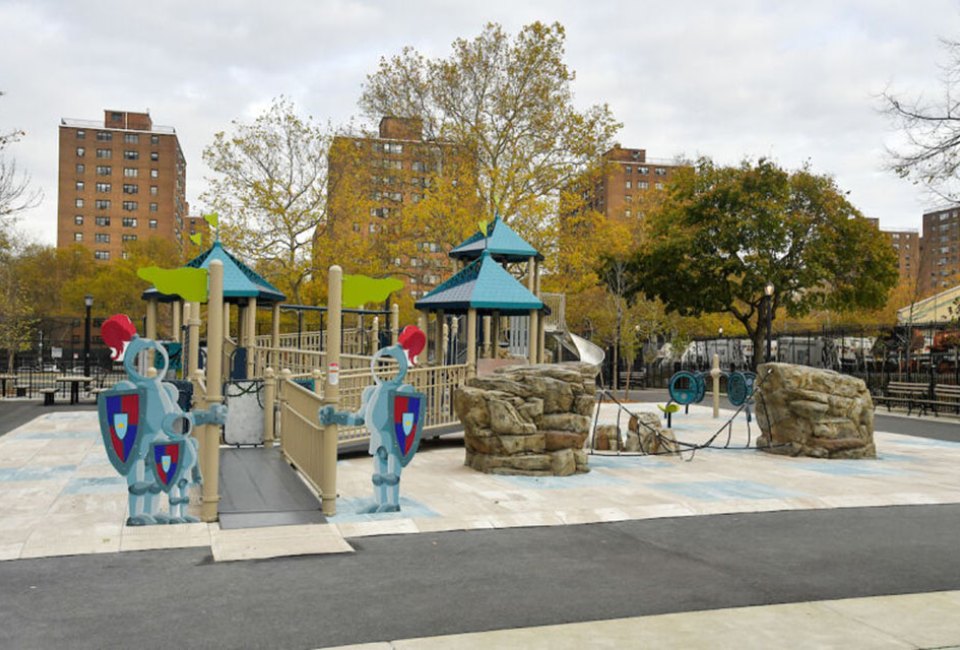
(502, 241)
(484, 284)
(239, 280)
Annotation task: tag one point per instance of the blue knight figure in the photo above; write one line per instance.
(145, 432)
(393, 414)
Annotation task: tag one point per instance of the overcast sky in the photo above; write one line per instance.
(795, 81)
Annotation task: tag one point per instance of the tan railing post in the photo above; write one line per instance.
(210, 450)
(226, 319)
(269, 402)
(175, 321)
(275, 332)
(374, 335)
(151, 327)
(394, 323)
(251, 335)
(496, 334)
(331, 392)
(471, 342)
(533, 336)
(445, 346)
(438, 340)
(285, 375)
(193, 336)
(317, 376)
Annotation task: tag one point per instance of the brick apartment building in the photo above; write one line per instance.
(389, 173)
(627, 174)
(120, 180)
(940, 250)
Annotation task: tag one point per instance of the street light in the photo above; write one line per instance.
(88, 301)
(768, 294)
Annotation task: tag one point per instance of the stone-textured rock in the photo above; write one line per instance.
(646, 434)
(813, 412)
(528, 420)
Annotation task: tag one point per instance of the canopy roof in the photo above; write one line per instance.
(482, 285)
(501, 241)
(239, 280)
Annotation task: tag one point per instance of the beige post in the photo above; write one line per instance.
(210, 441)
(151, 327)
(282, 384)
(191, 313)
(715, 373)
(496, 334)
(422, 323)
(541, 321)
(471, 342)
(487, 320)
(446, 344)
(394, 323)
(275, 331)
(269, 403)
(251, 344)
(226, 320)
(438, 340)
(533, 336)
(374, 335)
(175, 321)
(331, 393)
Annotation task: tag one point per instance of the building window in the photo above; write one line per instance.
(129, 222)
(154, 155)
(129, 238)
(131, 138)
(154, 173)
(642, 185)
(658, 186)
(80, 152)
(129, 206)
(131, 172)
(130, 188)
(79, 203)
(102, 238)
(78, 236)
(660, 171)
(78, 219)
(103, 204)
(81, 134)
(104, 153)
(418, 166)
(81, 168)
(153, 207)
(626, 213)
(101, 255)
(79, 186)
(104, 170)
(153, 224)
(104, 136)
(628, 198)
(154, 139)
(153, 190)
(103, 187)
(643, 170)
(129, 154)
(103, 221)
(629, 185)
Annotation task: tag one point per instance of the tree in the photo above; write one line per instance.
(271, 191)
(509, 102)
(722, 233)
(931, 153)
(15, 192)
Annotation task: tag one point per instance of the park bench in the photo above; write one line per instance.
(946, 396)
(48, 394)
(21, 389)
(906, 394)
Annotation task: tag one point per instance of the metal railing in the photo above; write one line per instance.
(301, 438)
(353, 340)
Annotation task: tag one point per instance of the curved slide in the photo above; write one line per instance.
(587, 351)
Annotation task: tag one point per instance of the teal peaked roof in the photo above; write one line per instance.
(502, 241)
(239, 280)
(485, 285)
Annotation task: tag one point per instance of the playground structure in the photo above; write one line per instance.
(295, 374)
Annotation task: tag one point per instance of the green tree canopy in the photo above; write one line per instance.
(722, 233)
(509, 102)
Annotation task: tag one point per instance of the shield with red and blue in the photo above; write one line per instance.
(166, 461)
(407, 420)
(122, 413)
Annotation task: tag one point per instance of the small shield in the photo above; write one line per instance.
(166, 460)
(121, 411)
(407, 419)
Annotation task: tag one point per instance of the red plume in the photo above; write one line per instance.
(116, 332)
(412, 339)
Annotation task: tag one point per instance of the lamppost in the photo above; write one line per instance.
(768, 294)
(88, 301)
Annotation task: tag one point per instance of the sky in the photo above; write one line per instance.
(799, 82)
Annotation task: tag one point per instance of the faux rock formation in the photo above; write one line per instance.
(813, 412)
(644, 434)
(528, 420)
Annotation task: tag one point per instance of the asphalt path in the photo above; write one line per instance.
(406, 586)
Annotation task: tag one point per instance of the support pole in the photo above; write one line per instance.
(446, 344)
(175, 324)
(251, 335)
(226, 320)
(533, 336)
(496, 334)
(210, 449)
(275, 332)
(438, 340)
(331, 393)
(394, 323)
(151, 327)
(487, 321)
(375, 335)
(269, 403)
(471, 342)
(191, 312)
